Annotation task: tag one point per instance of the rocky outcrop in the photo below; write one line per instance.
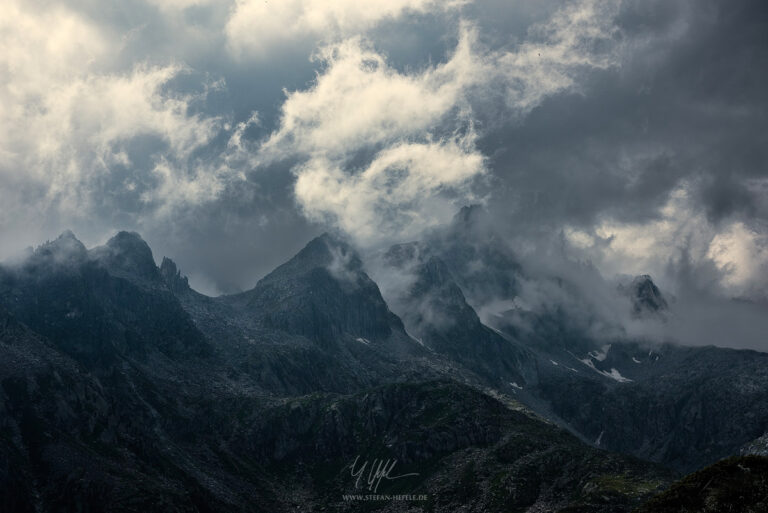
(735, 484)
(173, 278)
(128, 256)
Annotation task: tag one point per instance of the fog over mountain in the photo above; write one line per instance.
(123, 388)
(255, 254)
(629, 134)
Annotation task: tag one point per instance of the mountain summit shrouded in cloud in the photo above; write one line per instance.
(427, 256)
(624, 133)
(124, 388)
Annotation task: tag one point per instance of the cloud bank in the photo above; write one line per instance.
(630, 135)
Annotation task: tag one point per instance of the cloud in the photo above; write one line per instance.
(388, 153)
(682, 248)
(359, 100)
(660, 157)
(576, 115)
(406, 189)
(742, 255)
(83, 137)
(178, 4)
(257, 26)
(581, 35)
(361, 105)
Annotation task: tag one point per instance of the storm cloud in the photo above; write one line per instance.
(630, 135)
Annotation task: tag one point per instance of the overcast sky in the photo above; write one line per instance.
(228, 133)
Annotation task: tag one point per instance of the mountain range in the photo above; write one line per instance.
(123, 389)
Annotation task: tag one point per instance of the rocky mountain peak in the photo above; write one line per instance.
(66, 249)
(67, 235)
(646, 296)
(322, 293)
(127, 255)
(468, 214)
(323, 252)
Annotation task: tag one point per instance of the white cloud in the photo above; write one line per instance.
(580, 35)
(68, 120)
(742, 254)
(647, 247)
(169, 5)
(387, 153)
(404, 190)
(360, 100)
(731, 257)
(257, 26)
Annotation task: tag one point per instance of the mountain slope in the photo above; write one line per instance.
(316, 323)
(681, 406)
(135, 416)
(738, 485)
(467, 450)
(123, 389)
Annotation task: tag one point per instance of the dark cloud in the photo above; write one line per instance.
(687, 103)
(685, 108)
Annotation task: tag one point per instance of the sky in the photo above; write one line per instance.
(631, 134)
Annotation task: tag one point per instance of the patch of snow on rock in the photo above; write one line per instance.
(602, 354)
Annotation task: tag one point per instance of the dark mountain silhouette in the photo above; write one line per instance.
(123, 389)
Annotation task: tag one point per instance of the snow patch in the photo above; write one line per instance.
(364, 341)
(497, 331)
(636, 360)
(514, 384)
(554, 362)
(599, 438)
(602, 354)
(614, 374)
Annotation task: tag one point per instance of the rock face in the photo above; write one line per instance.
(172, 277)
(685, 407)
(123, 389)
(480, 261)
(463, 449)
